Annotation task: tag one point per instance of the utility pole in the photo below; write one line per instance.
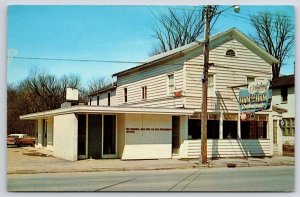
(205, 85)
(208, 15)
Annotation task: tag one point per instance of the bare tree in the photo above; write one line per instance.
(97, 83)
(275, 33)
(174, 30)
(16, 107)
(38, 92)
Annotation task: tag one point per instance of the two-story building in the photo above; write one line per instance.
(283, 99)
(153, 109)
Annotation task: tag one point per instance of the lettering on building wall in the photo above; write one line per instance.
(133, 130)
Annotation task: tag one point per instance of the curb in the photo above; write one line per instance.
(145, 168)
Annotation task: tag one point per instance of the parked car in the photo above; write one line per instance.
(20, 140)
(11, 139)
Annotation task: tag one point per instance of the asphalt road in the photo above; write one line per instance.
(279, 178)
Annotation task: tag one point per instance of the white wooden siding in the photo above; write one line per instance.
(229, 71)
(230, 148)
(289, 105)
(103, 99)
(156, 80)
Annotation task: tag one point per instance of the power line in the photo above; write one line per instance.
(121, 62)
(186, 9)
(246, 20)
(75, 60)
(242, 12)
(266, 11)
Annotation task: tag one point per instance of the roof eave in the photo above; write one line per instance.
(102, 90)
(142, 66)
(101, 109)
(252, 45)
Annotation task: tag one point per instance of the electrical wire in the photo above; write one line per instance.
(75, 60)
(191, 62)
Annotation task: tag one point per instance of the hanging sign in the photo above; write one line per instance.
(256, 98)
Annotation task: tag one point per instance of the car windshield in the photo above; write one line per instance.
(14, 136)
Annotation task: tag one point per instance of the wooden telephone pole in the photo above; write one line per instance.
(208, 15)
(205, 85)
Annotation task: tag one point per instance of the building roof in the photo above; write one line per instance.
(283, 81)
(215, 41)
(110, 110)
(104, 89)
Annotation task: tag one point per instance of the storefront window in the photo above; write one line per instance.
(194, 129)
(81, 134)
(229, 129)
(230, 126)
(212, 129)
(255, 128)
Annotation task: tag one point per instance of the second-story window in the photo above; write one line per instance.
(171, 84)
(250, 79)
(230, 53)
(284, 94)
(125, 95)
(211, 85)
(108, 99)
(98, 99)
(144, 92)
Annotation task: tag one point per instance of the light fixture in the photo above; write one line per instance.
(236, 8)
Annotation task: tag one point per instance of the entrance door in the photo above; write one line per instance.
(175, 134)
(109, 135)
(275, 142)
(94, 136)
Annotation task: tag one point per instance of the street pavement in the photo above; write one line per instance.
(29, 160)
(261, 178)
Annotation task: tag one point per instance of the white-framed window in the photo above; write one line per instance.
(171, 83)
(108, 99)
(284, 94)
(144, 93)
(230, 53)
(211, 85)
(125, 95)
(289, 127)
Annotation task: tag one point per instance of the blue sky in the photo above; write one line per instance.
(113, 33)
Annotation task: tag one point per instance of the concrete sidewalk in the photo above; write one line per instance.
(28, 160)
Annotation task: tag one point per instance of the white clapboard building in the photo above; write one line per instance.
(153, 110)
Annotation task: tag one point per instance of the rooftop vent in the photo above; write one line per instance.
(71, 94)
(71, 98)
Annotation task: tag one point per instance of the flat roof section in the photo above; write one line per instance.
(102, 109)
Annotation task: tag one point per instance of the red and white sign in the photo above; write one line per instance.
(243, 116)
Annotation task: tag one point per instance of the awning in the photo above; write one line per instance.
(278, 109)
(111, 110)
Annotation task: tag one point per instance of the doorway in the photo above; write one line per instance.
(175, 134)
(109, 135)
(94, 136)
